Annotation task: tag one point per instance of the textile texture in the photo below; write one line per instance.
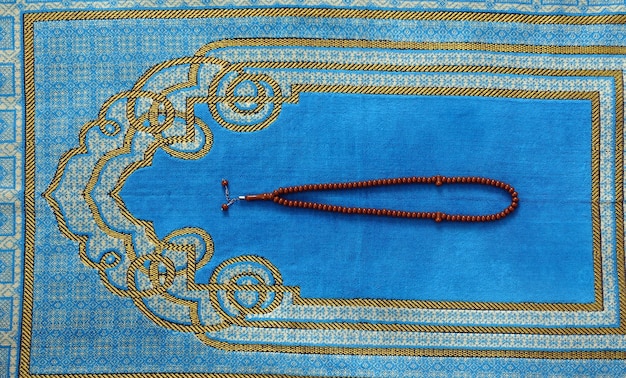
(119, 121)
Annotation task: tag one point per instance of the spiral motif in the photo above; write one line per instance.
(244, 102)
(248, 285)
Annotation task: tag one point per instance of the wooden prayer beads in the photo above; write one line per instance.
(278, 196)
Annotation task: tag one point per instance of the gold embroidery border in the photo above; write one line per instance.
(597, 305)
(199, 57)
(29, 191)
(298, 88)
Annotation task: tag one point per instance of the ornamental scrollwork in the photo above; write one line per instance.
(158, 274)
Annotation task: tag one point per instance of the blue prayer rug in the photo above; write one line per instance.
(317, 188)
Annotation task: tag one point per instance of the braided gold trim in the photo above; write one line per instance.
(597, 305)
(29, 198)
(329, 13)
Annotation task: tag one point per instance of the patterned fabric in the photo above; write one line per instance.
(119, 119)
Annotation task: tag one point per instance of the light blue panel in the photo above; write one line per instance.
(5, 354)
(6, 313)
(7, 80)
(541, 147)
(6, 266)
(7, 172)
(195, 30)
(559, 2)
(7, 219)
(6, 33)
(7, 126)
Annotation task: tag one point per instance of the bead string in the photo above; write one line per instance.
(277, 196)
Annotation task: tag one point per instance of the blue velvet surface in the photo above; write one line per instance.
(541, 253)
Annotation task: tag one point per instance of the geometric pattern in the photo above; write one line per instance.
(6, 312)
(7, 219)
(7, 172)
(7, 126)
(6, 33)
(5, 354)
(7, 79)
(6, 266)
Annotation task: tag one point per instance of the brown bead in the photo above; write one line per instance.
(224, 207)
(224, 182)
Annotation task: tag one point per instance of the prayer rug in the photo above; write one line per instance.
(315, 188)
